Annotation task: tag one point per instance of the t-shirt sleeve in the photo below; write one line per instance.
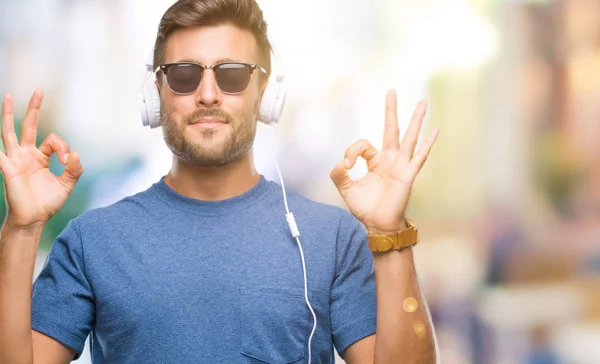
(353, 307)
(62, 299)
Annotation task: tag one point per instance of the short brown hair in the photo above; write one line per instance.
(245, 14)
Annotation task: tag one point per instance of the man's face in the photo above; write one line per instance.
(209, 127)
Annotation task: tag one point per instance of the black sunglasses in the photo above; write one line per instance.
(184, 78)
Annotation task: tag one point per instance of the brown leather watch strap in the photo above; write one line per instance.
(399, 240)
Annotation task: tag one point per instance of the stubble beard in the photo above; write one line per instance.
(214, 147)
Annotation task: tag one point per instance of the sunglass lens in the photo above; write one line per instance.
(232, 77)
(184, 78)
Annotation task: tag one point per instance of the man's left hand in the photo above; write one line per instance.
(379, 198)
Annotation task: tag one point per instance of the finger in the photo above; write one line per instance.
(9, 138)
(72, 172)
(54, 143)
(391, 131)
(30, 123)
(407, 147)
(420, 157)
(341, 179)
(360, 148)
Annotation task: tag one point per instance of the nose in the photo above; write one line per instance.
(208, 93)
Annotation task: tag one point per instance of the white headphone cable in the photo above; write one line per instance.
(296, 234)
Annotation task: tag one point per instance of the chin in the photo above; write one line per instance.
(212, 160)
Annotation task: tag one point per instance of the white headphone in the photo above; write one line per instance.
(271, 106)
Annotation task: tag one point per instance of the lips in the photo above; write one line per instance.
(208, 120)
(208, 123)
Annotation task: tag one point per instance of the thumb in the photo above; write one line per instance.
(341, 179)
(72, 172)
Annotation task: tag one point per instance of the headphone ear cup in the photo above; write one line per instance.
(150, 105)
(273, 101)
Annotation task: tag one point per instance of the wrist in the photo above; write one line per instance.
(33, 229)
(384, 240)
(374, 230)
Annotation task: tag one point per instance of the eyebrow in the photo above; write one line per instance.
(222, 60)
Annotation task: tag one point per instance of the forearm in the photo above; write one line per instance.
(18, 248)
(404, 329)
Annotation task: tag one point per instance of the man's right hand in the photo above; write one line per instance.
(33, 193)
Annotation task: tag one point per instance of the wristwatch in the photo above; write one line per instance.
(398, 241)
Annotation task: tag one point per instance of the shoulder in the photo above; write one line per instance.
(126, 211)
(317, 213)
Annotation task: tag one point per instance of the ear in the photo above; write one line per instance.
(263, 86)
(261, 93)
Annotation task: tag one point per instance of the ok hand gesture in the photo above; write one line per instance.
(33, 193)
(379, 198)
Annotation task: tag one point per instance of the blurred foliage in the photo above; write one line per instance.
(556, 169)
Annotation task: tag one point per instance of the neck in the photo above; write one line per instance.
(210, 183)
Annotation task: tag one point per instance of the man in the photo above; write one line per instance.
(201, 267)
